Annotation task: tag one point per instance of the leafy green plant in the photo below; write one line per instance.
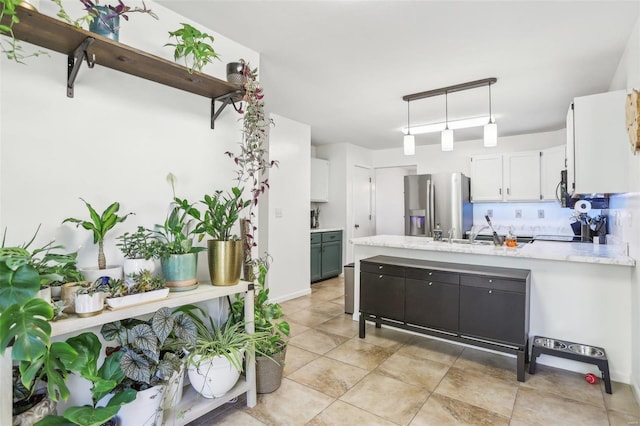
(229, 340)
(104, 380)
(192, 45)
(222, 213)
(151, 349)
(120, 9)
(101, 285)
(24, 325)
(142, 282)
(141, 244)
(177, 233)
(99, 225)
(8, 18)
(265, 314)
(252, 160)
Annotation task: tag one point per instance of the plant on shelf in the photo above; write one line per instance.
(24, 326)
(152, 349)
(99, 225)
(221, 214)
(215, 360)
(139, 249)
(192, 45)
(90, 296)
(269, 365)
(143, 282)
(106, 18)
(252, 160)
(12, 48)
(104, 380)
(178, 254)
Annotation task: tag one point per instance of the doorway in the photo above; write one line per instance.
(389, 199)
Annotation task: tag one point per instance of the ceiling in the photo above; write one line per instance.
(343, 66)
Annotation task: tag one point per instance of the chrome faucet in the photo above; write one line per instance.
(474, 234)
(450, 234)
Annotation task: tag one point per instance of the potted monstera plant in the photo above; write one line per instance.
(99, 225)
(224, 249)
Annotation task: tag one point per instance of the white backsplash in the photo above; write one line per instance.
(556, 220)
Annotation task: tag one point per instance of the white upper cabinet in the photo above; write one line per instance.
(486, 178)
(319, 180)
(521, 171)
(597, 144)
(551, 164)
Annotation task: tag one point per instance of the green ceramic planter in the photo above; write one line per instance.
(179, 271)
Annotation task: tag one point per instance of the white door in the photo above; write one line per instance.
(363, 222)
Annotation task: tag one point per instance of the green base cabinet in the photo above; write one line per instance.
(326, 255)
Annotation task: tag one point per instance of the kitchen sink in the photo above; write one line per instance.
(468, 242)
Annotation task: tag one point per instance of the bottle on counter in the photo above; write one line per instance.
(511, 240)
(437, 233)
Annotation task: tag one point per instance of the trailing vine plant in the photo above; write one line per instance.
(252, 160)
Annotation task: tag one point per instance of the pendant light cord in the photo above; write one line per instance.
(408, 119)
(446, 110)
(490, 116)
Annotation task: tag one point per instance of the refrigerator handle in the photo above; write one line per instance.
(431, 200)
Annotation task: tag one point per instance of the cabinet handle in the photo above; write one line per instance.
(430, 283)
(490, 281)
(380, 267)
(490, 291)
(430, 273)
(500, 191)
(508, 191)
(380, 277)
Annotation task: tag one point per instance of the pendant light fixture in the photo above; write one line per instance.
(446, 138)
(409, 139)
(491, 128)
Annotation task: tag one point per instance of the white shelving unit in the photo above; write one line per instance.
(192, 405)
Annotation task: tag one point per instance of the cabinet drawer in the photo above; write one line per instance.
(494, 283)
(331, 236)
(382, 269)
(316, 238)
(431, 275)
(382, 295)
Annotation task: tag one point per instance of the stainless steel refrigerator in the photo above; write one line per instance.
(438, 198)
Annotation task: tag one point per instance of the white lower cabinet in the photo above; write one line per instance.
(192, 405)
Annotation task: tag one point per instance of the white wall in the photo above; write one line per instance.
(625, 209)
(389, 199)
(289, 144)
(116, 140)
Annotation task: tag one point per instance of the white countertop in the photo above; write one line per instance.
(325, 230)
(606, 254)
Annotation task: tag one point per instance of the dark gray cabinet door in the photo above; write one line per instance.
(493, 314)
(316, 262)
(382, 295)
(331, 259)
(432, 304)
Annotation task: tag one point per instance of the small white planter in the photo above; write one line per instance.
(88, 305)
(135, 266)
(144, 410)
(212, 377)
(93, 273)
(137, 299)
(45, 294)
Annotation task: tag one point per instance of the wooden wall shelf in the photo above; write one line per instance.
(50, 33)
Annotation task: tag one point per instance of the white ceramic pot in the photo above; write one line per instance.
(45, 294)
(212, 377)
(68, 296)
(88, 305)
(144, 410)
(173, 389)
(135, 266)
(93, 273)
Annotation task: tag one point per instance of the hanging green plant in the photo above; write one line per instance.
(12, 47)
(192, 45)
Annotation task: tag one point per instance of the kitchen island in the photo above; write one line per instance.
(579, 292)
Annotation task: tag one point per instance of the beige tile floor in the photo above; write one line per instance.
(332, 377)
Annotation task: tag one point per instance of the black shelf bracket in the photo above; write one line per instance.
(229, 98)
(74, 62)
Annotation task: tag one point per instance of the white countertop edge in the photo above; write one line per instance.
(543, 250)
(313, 231)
